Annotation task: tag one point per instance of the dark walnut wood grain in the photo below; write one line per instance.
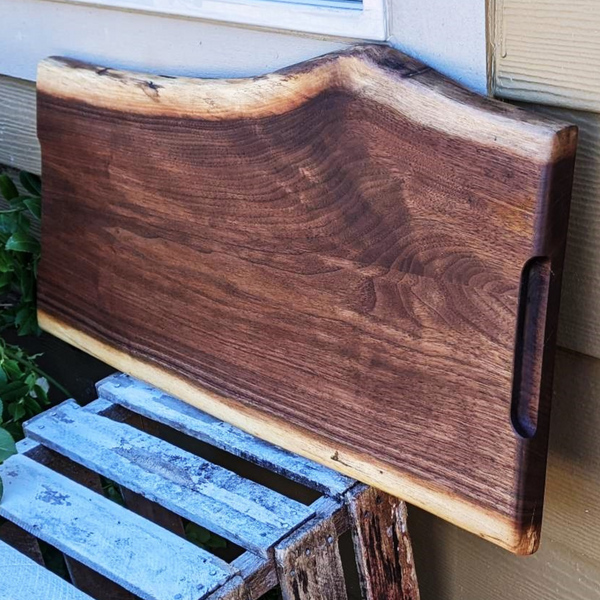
(353, 258)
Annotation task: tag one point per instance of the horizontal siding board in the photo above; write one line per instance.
(572, 510)
(240, 510)
(567, 565)
(135, 553)
(548, 51)
(579, 323)
(154, 404)
(19, 145)
(462, 567)
(22, 578)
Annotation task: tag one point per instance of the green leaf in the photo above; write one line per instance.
(16, 410)
(5, 280)
(26, 320)
(196, 533)
(111, 491)
(23, 222)
(7, 188)
(15, 429)
(216, 541)
(22, 242)
(35, 206)
(1, 410)
(13, 391)
(33, 406)
(3, 381)
(8, 224)
(27, 287)
(23, 314)
(7, 445)
(32, 183)
(29, 325)
(6, 264)
(41, 394)
(31, 379)
(18, 203)
(203, 537)
(12, 368)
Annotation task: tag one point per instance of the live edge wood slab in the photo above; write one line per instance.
(353, 258)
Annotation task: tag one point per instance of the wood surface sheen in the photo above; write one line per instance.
(353, 258)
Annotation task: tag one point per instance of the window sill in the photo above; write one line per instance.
(367, 22)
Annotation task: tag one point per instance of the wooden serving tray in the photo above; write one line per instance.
(353, 258)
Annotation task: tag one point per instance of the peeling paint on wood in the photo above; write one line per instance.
(150, 402)
(137, 554)
(236, 508)
(79, 442)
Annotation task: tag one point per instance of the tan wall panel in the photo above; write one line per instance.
(579, 325)
(455, 565)
(548, 51)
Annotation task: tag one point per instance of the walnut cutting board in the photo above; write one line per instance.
(353, 258)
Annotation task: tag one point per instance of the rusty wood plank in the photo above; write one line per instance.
(382, 545)
(308, 561)
(234, 589)
(22, 541)
(260, 574)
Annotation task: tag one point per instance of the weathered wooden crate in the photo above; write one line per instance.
(53, 492)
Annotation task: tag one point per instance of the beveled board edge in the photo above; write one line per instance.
(375, 72)
(467, 515)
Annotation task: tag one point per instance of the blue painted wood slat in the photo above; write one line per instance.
(142, 557)
(23, 579)
(251, 515)
(150, 402)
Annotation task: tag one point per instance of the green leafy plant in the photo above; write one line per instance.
(7, 446)
(111, 490)
(203, 537)
(23, 394)
(23, 385)
(19, 253)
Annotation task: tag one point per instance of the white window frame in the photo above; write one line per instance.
(367, 22)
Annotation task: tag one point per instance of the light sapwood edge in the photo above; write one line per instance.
(441, 105)
(464, 514)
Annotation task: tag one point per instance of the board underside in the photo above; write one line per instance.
(353, 258)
